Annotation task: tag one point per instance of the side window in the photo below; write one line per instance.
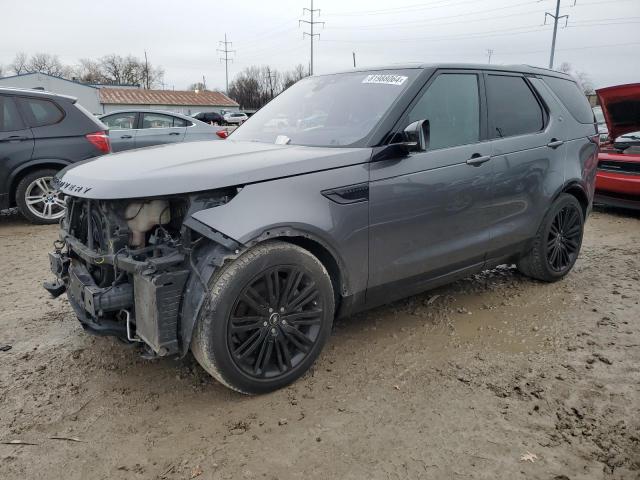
(451, 104)
(10, 120)
(120, 121)
(42, 112)
(179, 122)
(572, 97)
(513, 109)
(156, 120)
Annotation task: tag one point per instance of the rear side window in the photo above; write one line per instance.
(451, 104)
(42, 112)
(572, 97)
(9, 117)
(513, 109)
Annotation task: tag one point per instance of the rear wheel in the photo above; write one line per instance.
(557, 244)
(269, 315)
(37, 201)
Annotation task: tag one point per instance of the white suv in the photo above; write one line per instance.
(235, 118)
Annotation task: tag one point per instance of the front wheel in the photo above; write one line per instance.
(269, 314)
(557, 243)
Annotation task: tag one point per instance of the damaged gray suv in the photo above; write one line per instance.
(346, 191)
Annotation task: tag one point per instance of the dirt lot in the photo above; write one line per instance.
(492, 377)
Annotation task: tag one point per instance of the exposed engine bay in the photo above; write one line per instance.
(125, 264)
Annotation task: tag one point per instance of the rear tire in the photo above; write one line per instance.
(269, 315)
(557, 243)
(37, 201)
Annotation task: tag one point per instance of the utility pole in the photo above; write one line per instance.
(226, 59)
(204, 83)
(555, 17)
(271, 76)
(146, 71)
(354, 59)
(489, 53)
(311, 24)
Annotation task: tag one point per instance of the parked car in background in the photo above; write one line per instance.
(244, 251)
(618, 177)
(41, 133)
(601, 123)
(235, 118)
(143, 128)
(212, 118)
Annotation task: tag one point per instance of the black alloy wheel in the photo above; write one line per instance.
(275, 322)
(563, 242)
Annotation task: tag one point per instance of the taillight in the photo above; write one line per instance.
(222, 133)
(100, 140)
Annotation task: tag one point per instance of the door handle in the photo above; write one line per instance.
(555, 143)
(126, 136)
(174, 133)
(476, 159)
(14, 138)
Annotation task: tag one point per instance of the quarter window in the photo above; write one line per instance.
(451, 104)
(42, 112)
(9, 117)
(121, 121)
(513, 109)
(572, 97)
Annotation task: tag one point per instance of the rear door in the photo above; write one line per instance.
(527, 154)
(122, 130)
(159, 128)
(16, 141)
(428, 209)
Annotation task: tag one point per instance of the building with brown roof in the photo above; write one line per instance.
(186, 102)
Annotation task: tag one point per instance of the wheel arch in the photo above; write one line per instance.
(574, 188)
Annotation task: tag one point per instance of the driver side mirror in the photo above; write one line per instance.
(416, 136)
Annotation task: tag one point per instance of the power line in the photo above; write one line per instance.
(311, 24)
(225, 50)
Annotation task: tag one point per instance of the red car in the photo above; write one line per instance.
(618, 176)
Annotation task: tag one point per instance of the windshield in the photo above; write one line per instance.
(327, 111)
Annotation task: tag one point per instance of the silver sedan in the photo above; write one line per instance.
(142, 128)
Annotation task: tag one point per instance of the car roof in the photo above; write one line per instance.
(468, 66)
(34, 93)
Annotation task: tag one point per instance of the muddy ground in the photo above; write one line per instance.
(493, 377)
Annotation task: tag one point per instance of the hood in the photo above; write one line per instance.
(197, 166)
(621, 108)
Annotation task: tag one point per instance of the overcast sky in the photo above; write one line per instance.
(602, 38)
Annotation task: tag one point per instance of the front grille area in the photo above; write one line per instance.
(632, 168)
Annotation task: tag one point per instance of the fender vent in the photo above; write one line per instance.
(348, 194)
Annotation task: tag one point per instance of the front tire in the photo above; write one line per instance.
(269, 315)
(37, 201)
(557, 243)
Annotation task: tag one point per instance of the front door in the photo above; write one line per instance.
(427, 210)
(158, 129)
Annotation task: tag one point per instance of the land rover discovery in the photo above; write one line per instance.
(245, 251)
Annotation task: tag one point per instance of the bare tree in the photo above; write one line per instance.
(19, 64)
(583, 78)
(197, 86)
(1, 71)
(255, 86)
(47, 63)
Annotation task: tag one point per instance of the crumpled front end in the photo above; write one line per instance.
(124, 265)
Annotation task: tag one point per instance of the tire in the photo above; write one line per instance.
(269, 314)
(557, 243)
(36, 201)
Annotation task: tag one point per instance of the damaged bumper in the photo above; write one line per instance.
(145, 308)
